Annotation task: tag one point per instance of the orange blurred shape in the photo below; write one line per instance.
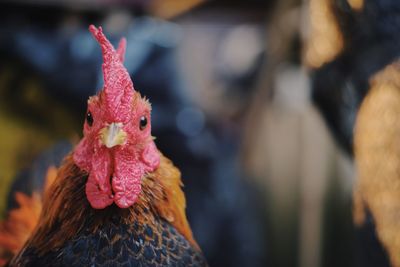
(325, 40)
(50, 177)
(170, 8)
(356, 4)
(21, 222)
(377, 157)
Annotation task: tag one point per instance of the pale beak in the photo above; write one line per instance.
(113, 135)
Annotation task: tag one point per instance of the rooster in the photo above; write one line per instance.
(116, 200)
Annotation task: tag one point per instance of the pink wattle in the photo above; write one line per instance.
(98, 199)
(127, 172)
(126, 182)
(98, 189)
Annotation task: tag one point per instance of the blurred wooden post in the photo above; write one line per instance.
(261, 151)
(289, 149)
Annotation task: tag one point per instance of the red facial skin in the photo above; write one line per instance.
(126, 164)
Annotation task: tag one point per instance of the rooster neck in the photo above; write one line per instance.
(67, 214)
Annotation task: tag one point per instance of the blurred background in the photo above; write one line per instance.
(255, 101)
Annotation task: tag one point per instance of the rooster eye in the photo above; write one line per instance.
(89, 118)
(143, 122)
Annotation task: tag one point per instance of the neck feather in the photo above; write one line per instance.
(66, 210)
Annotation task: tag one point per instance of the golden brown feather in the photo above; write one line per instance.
(66, 202)
(377, 155)
(22, 221)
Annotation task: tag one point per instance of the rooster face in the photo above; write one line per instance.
(117, 148)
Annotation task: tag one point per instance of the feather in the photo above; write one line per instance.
(22, 221)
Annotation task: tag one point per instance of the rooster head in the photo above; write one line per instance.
(117, 149)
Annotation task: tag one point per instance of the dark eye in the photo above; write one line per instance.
(89, 118)
(143, 122)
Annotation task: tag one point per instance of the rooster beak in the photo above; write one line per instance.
(113, 135)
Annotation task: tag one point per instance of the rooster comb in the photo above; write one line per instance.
(118, 87)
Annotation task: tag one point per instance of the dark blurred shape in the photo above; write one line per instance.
(370, 252)
(371, 41)
(225, 212)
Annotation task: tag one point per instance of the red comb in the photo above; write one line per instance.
(118, 86)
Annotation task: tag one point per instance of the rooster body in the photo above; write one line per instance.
(116, 200)
(151, 233)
